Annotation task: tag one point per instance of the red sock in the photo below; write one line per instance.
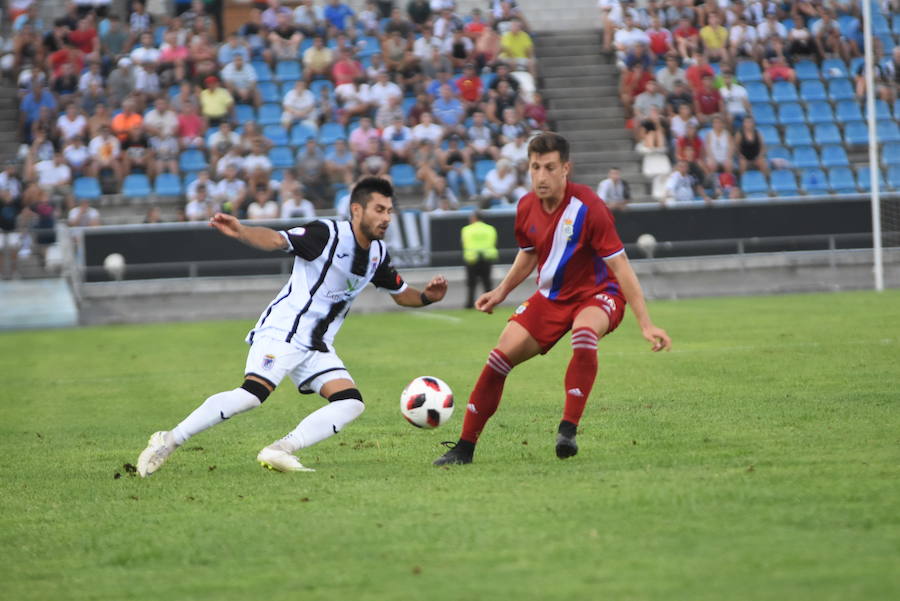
(581, 373)
(485, 397)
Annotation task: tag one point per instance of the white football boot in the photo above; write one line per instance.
(156, 453)
(280, 460)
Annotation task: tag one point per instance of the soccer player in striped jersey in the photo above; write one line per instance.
(584, 281)
(334, 260)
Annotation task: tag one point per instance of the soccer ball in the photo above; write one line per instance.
(426, 402)
(114, 264)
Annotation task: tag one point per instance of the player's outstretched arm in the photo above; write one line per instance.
(262, 238)
(631, 288)
(434, 291)
(521, 269)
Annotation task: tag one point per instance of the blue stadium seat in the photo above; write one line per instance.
(408, 103)
(895, 23)
(754, 182)
(269, 114)
(136, 185)
(276, 134)
(244, 113)
(847, 111)
(281, 157)
(339, 193)
(834, 68)
(814, 181)
(779, 154)
(790, 113)
(834, 156)
(757, 91)
(855, 64)
(856, 133)
(192, 160)
(482, 167)
(316, 87)
(882, 111)
(887, 131)
(812, 90)
(763, 113)
(403, 175)
(748, 71)
(300, 133)
(784, 183)
(263, 73)
(285, 87)
(840, 89)
(797, 135)
(167, 184)
(893, 176)
(268, 91)
(487, 79)
(367, 46)
(864, 180)
(880, 25)
(784, 91)
(841, 180)
(826, 133)
(890, 154)
(819, 112)
(330, 132)
(806, 156)
(87, 187)
(769, 134)
(288, 70)
(806, 70)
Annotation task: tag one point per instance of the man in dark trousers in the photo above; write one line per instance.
(479, 243)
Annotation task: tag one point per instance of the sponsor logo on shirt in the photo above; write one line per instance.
(521, 308)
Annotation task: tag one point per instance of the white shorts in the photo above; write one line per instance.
(272, 360)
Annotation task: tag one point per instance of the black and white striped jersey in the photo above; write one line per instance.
(330, 270)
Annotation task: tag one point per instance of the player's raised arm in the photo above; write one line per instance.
(434, 291)
(521, 268)
(262, 238)
(631, 288)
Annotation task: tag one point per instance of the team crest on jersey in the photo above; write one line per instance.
(373, 265)
(568, 228)
(521, 308)
(268, 361)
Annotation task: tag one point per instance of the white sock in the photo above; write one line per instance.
(214, 410)
(321, 423)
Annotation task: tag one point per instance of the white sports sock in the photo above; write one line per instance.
(321, 423)
(214, 410)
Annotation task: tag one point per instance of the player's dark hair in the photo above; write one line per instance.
(367, 186)
(548, 142)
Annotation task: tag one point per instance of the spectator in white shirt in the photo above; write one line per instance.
(257, 166)
(262, 206)
(500, 183)
(680, 185)
(146, 52)
(161, 120)
(240, 79)
(397, 140)
(719, 147)
(201, 207)
(92, 75)
(614, 190)
(383, 90)
(427, 129)
(294, 205)
(55, 177)
(230, 191)
(299, 105)
(742, 40)
(105, 150)
(71, 124)
(84, 215)
(77, 156)
(735, 98)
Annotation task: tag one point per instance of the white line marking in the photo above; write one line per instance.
(438, 316)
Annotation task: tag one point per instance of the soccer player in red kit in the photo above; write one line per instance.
(584, 281)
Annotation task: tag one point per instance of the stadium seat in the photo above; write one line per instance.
(784, 91)
(819, 112)
(339, 194)
(834, 68)
(269, 91)
(841, 180)
(408, 103)
(748, 71)
(855, 64)
(784, 183)
(812, 90)
(281, 157)
(814, 181)
(757, 91)
(367, 46)
(482, 167)
(807, 70)
(780, 157)
(269, 114)
(330, 132)
(840, 89)
(895, 23)
(887, 131)
(316, 87)
(797, 135)
(805, 156)
(403, 175)
(834, 156)
(880, 25)
(890, 154)
(167, 184)
(263, 73)
(856, 133)
(136, 185)
(847, 111)
(300, 133)
(244, 113)
(864, 181)
(487, 79)
(791, 113)
(850, 26)
(87, 188)
(754, 182)
(192, 160)
(763, 113)
(769, 134)
(893, 177)
(285, 87)
(827, 133)
(882, 111)
(288, 70)
(276, 134)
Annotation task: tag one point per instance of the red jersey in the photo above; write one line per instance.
(571, 243)
(708, 100)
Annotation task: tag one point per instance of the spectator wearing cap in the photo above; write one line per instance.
(216, 103)
(285, 38)
(317, 60)
(299, 105)
(240, 79)
(398, 140)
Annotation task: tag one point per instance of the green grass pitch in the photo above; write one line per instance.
(758, 460)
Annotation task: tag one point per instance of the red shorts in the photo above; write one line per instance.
(547, 321)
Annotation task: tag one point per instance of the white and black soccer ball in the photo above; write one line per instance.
(427, 402)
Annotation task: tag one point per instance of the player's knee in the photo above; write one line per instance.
(346, 394)
(257, 389)
(351, 403)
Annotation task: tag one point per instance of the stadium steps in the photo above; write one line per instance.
(9, 123)
(571, 17)
(580, 90)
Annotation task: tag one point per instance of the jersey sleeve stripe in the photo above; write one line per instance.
(290, 246)
(615, 254)
(398, 290)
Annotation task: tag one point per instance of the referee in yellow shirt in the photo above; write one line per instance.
(479, 243)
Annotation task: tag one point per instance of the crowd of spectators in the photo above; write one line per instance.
(680, 66)
(276, 119)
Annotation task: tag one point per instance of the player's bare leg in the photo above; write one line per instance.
(589, 326)
(515, 346)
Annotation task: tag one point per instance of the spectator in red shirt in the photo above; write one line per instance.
(470, 88)
(778, 70)
(85, 38)
(535, 113)
(707, 101)
(634, 82)
(687, 38)
(691, 139)
(345, 69)
(660, 38)
(696, 72)
(67, 54)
